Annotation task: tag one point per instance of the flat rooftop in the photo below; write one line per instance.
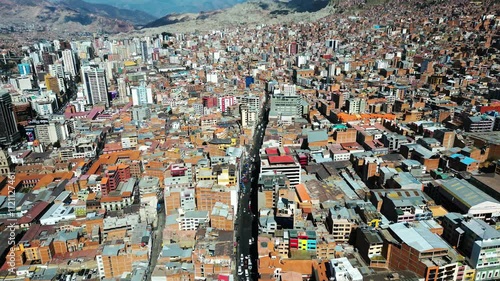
(488, 137)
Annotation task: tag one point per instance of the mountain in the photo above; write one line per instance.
(66, 17)
(134, 16)
(250, 12)
(159, 8)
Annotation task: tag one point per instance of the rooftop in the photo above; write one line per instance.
(465, 192)
(418, 237)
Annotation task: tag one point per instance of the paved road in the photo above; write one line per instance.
(247, 224)
(157, 241)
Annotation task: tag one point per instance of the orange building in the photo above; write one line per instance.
(345, 136)
(222, 217)
(208, 194)
(117, 259)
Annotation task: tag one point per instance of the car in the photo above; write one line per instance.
(246, 272)
(240, 271)
(250, 241)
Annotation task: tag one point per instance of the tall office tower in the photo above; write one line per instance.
(142, 95)
(57, 45)
(35, 57)
(96, 86)
(123, 91)
(333, 43)
(69, 62)
(8, 128)
(144, 50)
(56, 70)
(47, 60)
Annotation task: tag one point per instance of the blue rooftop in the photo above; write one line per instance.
(464, 159)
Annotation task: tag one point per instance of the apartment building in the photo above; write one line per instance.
(417, 249)
(477, 124)
(370, 245)
(478, 241)
(222, 217)
(341, 221)
(208, 194)
(191, 220)
(117, 259)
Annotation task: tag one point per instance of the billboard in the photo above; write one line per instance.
(38, 122)
(30, 134)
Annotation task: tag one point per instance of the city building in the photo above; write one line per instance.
(96, 86)
(280, 161)
(142, 94)
(8, 129)
(477, 240)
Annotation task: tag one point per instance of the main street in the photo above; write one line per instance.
(247, 222)
(157, 239)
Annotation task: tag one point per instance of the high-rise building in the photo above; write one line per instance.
(356, 105)
(24, 68)
(144, 50)
(69, 62)
(142, 95)
(96, 86)
(226, 102)
(47, 59)
(123, 91)
(8, 129)
(249, 110)
(286, 105)
(333, 43)
(52, 84)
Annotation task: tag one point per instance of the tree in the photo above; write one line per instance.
(57, 144)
